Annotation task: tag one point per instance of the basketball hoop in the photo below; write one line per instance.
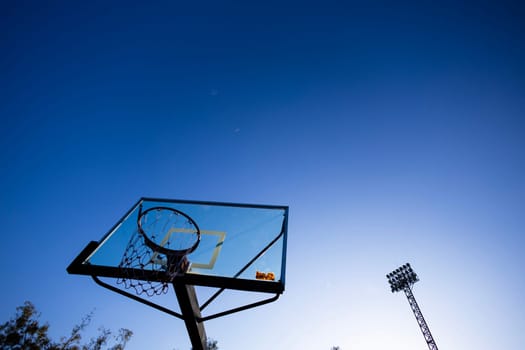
(164, 237)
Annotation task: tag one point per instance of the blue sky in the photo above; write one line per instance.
(394, 131)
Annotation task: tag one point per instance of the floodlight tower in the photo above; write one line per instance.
(403, 279)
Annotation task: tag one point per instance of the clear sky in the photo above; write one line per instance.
(395, 132)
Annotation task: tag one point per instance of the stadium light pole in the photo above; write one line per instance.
(403, 278)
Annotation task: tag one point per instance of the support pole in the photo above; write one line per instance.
(420, 319)
(189, 308)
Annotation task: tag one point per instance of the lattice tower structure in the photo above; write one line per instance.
(403, 279)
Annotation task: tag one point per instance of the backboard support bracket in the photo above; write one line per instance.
(136, 298)
(177, 315)
(241, 308)
(191, 312)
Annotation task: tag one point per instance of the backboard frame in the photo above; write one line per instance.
(79, 265)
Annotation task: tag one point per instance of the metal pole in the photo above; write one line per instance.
(189, 308)
(420, 319)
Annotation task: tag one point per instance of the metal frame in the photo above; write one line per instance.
(79, 267)
(176, 314)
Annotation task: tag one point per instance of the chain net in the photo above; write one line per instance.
(137, 259)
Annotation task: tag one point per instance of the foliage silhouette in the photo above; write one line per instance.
(25, 331)
(211, 344)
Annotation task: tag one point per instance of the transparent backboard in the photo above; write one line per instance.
(242, 247)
